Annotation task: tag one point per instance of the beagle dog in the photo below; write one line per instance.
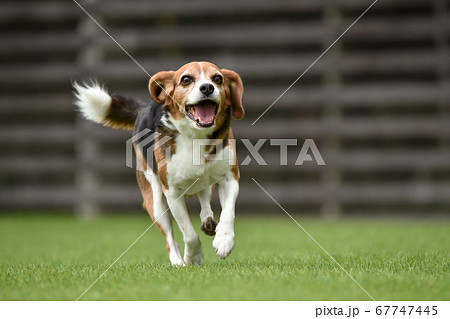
(196, 102)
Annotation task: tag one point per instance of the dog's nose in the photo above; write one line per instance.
(207, 89)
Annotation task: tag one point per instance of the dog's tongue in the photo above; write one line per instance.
(205, 111)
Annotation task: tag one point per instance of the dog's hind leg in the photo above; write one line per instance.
(156, 205)
(206, 214)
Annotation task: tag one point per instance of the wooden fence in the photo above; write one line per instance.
(377, 104)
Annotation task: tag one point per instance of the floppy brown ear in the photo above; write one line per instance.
(234, 82)
(160, 86)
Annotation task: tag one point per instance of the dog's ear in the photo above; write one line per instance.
(161, 85)
(236, 92)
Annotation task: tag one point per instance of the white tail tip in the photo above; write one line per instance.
(93, 101)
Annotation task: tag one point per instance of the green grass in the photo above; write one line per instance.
(57, 258)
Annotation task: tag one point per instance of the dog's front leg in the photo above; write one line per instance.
(224, 241)
(206, 214)
(193, 253)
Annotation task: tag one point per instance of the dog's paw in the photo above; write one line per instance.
(193, 253)
(178, 263)
(176, 260)
(223, 244)
(209, 226)
(194, 259)
(175, 255)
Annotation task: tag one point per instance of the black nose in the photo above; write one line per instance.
(207, 89)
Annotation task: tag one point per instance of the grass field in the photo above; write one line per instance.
(57, 258)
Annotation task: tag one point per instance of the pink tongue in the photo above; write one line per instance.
(204, 112)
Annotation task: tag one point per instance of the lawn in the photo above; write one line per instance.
(58, 257)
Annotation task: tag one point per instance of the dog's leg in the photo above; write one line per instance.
(224, 241)
(206, 214)
(193, 253)
(156, 205)
(164, 223)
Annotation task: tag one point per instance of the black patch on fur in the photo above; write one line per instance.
(123, 110)
(150, 118)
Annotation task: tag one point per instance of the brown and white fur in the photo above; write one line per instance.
(197, 101)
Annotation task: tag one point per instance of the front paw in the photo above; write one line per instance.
(209, 226)
(224, 244)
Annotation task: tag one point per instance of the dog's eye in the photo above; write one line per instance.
(218, 79)
(186, 80)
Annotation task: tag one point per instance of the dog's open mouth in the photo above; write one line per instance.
(203, 113)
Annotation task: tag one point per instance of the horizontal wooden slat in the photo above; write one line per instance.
(42, 42)
(379, 193)
(357, 94)
(39, 196)
(27, 165)
(258, 98)
(59, 11)
(298, 97)
(272, 128)
(24, 134)
(349, 128)
(47, 72)
(281, 66)
(23, 103)
(291, 66)
(217, 36)
(411, 28)
(285, 194)
(59, 134)
(48, 11)
(388, 62)
(146, 9)
(67, 196)
(350, 161)
(141, 9)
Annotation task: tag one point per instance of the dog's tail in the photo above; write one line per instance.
(95, 103)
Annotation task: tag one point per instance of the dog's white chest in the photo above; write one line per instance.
(189, 164)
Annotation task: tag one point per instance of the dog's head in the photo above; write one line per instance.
(199, 92)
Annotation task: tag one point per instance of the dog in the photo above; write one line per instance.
(196, 102)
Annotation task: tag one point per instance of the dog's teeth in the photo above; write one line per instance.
(192, 110)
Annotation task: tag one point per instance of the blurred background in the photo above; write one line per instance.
(377, 104)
